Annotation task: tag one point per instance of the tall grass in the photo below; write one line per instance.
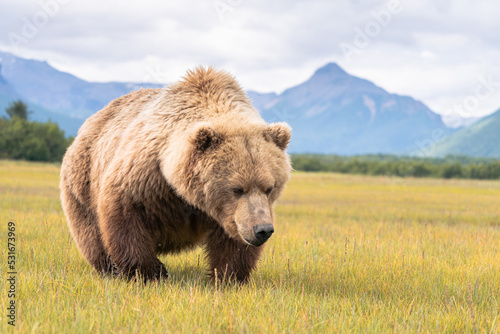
(350, 253)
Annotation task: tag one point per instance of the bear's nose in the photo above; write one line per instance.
(263, 232)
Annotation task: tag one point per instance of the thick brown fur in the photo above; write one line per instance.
(163, 170)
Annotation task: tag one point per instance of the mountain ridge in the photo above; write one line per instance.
(481, 139)
(61, 92)
(361, 116)
(331, 112)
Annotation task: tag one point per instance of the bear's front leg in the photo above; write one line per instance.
(129, 242)
(231, 259)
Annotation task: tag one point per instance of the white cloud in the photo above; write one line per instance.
(432, 50)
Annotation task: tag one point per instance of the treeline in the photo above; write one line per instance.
(389, 165)
(23, 139)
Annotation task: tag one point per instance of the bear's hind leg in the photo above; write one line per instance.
(85, 231)
(233, 260)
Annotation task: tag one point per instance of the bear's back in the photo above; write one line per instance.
(99, 138)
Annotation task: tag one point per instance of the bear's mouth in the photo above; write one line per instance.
(255, 243)
(249, 242)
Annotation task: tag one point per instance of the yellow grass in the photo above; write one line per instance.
(350, 253)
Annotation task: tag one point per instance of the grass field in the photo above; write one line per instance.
(350, 254)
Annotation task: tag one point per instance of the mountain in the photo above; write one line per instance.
(67, 99)
(334, 112)
(8, 94)
(481, 139)
(5, 88)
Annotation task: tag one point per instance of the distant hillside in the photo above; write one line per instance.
(481, 139)
(334, 112)
(8, 94)
(57, 95)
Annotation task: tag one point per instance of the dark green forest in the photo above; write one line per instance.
(390, 165)
(22, 139)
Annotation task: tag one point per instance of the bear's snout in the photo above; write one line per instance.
(262, 232)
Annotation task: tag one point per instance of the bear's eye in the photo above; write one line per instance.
(269, 190)
(238, 191)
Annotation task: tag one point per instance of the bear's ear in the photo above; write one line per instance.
(280, 133)
(205, 137)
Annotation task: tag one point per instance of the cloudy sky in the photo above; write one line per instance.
(443, 52)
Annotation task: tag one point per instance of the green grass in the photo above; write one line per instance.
(350, 253)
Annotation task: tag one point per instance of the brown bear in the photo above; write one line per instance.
(163, 170)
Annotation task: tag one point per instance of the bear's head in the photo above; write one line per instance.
(233, 174)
